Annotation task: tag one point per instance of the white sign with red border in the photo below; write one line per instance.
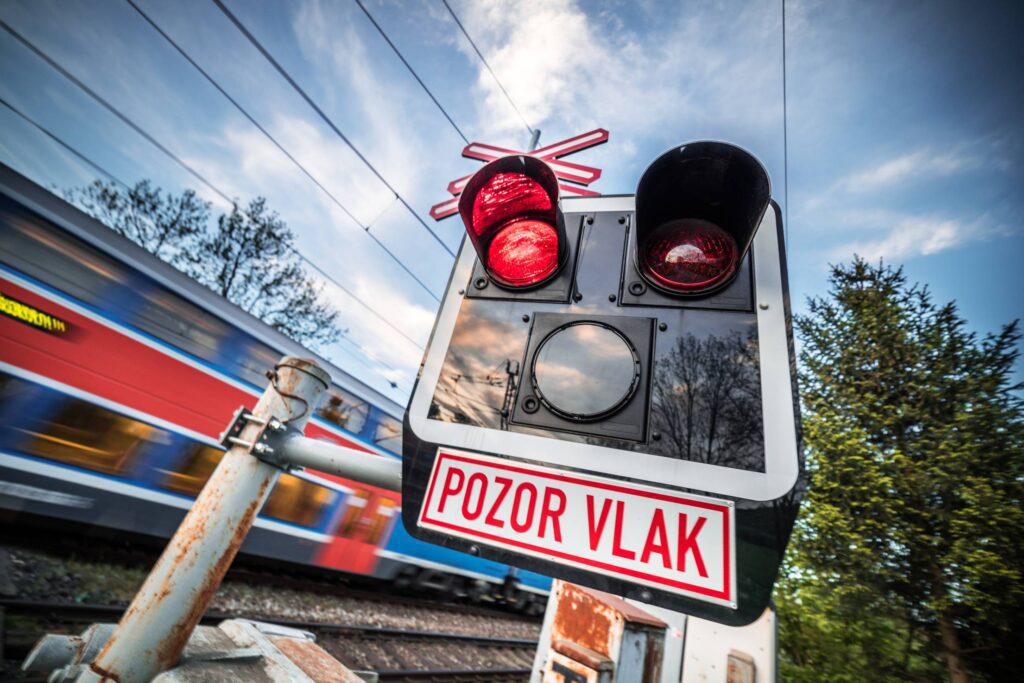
(675, 542)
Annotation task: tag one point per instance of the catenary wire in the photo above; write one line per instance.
(113, 110)
(212, 187)
(291, 81)
(104, 172)
(785, 134)
(411, 70)
(489, 69)
(266, 133)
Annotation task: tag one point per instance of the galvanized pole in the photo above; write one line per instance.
(155, 628)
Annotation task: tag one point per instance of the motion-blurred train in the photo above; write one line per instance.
(117, 373)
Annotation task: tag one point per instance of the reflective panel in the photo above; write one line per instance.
(585, 370)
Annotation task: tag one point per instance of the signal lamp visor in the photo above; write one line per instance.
(689, 256)
(510, 209)
(698, 207)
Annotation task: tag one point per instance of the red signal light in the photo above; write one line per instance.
(689, 256)
(510, 208)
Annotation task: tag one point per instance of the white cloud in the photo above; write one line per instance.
(914, 236)
(919, 165)
(713, 69)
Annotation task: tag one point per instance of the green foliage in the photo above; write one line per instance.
(907, 560)
(247, 256)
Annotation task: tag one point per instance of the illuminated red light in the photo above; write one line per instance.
(513, 218)
(689, 255)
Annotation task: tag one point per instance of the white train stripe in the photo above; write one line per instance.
(136, 491)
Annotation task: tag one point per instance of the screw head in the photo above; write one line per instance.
(480, 282)
(622, 220)
(763, 305)
(461, 292)
(590, 220)
(577, 296)
(637, 288)
(656, 436)
(662, 326)
(530, 404)
(611, 297)
(526, 318)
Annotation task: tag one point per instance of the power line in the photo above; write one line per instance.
(489, 69)
(113, 110)
(266, 133)
(785, 132)
(81, 157)
(411, 70)
(104, 172)
(214, 188)
(291, 81)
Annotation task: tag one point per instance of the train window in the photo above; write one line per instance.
(356, 504)
(343, 409)
(388, 434)
(36, 248)
(90, 436)
(168, 317)
(198, 464)
(298, 501)
(381, 520)
(256, 360)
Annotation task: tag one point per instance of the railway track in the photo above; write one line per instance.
(395, 654)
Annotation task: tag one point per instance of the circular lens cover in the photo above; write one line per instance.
(523, 253)
(585, 371)
(689, 255)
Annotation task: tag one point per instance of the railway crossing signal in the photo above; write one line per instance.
(609, 396)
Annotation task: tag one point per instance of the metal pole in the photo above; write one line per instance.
(534, 139)
(376, 470)
(157, 625)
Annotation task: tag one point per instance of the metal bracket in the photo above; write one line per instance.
(266, 445)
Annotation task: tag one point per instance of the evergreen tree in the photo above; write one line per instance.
(908, 554)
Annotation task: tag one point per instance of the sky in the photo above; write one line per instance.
(892, 130)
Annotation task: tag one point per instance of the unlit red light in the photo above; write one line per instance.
(690, 256)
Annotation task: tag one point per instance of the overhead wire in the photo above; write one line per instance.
(326, 119)
(281, 148)
(110, 176)
(785, 134)
(411, 70)
(482, 59)
(64, 72)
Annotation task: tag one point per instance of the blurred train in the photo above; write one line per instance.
(117, 373)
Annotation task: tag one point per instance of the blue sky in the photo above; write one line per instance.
(905, 139)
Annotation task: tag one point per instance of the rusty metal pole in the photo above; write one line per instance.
(157, 625)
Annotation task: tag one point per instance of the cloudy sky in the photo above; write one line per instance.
(903, 121)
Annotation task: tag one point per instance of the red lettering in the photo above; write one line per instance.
(617, 549)
(449, 489)
(548, 512)
(517, 502)
(661, 547)
(505, 483)
(688, 544)
(475, 477)
(596, 531)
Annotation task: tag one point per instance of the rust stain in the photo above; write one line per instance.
(104, 674)
(314, 661)
(169, 651)
(583, 619)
